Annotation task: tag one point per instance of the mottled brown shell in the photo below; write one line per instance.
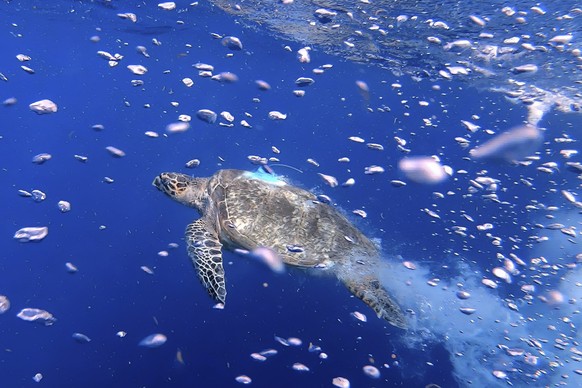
(251, 212)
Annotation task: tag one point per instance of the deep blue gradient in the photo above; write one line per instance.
(111, 293)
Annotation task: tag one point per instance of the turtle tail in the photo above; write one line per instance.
(371, 292)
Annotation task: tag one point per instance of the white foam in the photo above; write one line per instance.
(476, 343)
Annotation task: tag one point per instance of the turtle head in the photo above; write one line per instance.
(183, 188)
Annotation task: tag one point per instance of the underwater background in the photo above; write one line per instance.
(130, 281)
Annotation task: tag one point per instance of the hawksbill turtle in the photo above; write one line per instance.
(247, 210)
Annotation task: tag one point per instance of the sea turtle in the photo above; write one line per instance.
(248, 210)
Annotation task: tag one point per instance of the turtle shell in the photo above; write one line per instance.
(252, 212)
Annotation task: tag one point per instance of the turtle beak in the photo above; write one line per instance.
(158, 182)
(163, 183)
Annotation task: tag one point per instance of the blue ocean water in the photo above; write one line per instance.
(113, 229)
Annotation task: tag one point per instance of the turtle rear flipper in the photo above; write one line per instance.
(371, 292)
(205, 251)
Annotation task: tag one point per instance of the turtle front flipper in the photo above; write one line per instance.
(371, 292)
(204, 250)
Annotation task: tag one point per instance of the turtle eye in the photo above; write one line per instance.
(166, 182)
